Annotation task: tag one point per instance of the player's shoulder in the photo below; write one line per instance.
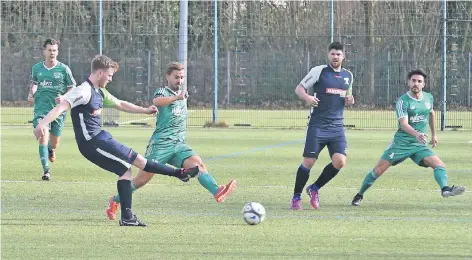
(63, 66)
(404, 98)
(346, 70)
(319, 67)
(38, 65)
(161, 91)
(428, 95)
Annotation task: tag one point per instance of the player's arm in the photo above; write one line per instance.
(33, 86)
(402, 116)
(111, 101)
(349, 96)
(432, 126)
(307, 82)
(40, 129)
(160, 100)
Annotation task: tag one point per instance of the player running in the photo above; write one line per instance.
(50, 80)
(414, 111)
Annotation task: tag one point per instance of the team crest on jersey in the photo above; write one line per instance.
(57, 75)
(346, 81)
(412, 107)
(427, 105)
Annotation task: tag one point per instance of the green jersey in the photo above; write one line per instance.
(51, 82)
(171, 122)
(417, 111)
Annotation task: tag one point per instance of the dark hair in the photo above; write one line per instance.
(102, 62)
(174, 66)
(336, 45)
(50, 41)
(417, 72)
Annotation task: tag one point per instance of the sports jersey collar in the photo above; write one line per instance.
(173, 92)
(44, 65)
(412, 97)
(340, 68)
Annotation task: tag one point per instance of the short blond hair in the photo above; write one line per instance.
(174, 66)
(101, 62)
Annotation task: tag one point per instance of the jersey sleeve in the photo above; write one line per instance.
(432, 103)
(78, 96)
(312, 77)
(108, 99)
(34, 75)
(160, 92)
(401, 109)
(70, 81)
(349, 89)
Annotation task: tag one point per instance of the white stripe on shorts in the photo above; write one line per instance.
(111, 156)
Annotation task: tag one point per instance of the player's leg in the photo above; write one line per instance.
(43, 151)
(379, 169)
(427, 158)
(337, 146)
(55, 136)
(313, 147)
(107, 155)
(393, 155)
(188, 159)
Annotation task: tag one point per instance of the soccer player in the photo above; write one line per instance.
(332, 87)
(414, 111)
(167, 144)
(98, 146)
(50, 80)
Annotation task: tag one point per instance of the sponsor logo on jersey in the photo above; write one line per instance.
(177, 111)
(336, 91)
(58, 75)
(417, 118)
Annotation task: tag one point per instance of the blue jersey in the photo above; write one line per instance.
(330, 87)
(86, 109)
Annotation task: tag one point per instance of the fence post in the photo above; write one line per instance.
(444, 79)
(215, 69)
(470, 76)
(68, 56)
(228, 77)
(100, 26)
(148, 75)
(388, 77)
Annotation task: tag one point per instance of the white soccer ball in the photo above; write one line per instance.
(253, 213)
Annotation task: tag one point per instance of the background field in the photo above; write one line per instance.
(402, 217)
(256, 118)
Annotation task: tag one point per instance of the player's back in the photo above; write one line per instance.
(417, 112)
(331, 89)
(171, 122)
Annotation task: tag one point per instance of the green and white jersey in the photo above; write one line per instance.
(417, 111)
(171, 122)
(51, 82)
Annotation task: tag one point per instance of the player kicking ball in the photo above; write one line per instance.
(414, 111)
(167, 144)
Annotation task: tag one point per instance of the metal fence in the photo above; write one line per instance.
(264, 50)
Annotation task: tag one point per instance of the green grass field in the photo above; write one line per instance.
(257, 118)
(402, 216)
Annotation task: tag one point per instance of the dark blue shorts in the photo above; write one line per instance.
(318, 138)
(107, 153)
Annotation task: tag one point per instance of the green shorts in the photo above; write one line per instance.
(172, 153)
(55, 127)
(397, 153)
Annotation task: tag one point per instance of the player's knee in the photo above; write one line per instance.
(127, 175)
(339, 164)
(308, 162)
(201, 167)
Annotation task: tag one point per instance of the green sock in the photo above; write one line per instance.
(117, 196)
(208, 182)
(43, 156)
(368, 181)
(440, 175)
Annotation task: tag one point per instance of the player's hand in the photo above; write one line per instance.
(30, 100)
(422, 138)
(350, 100)
(152, 110)
(311, 100)
(434, 141)
(182, 95)
(39, 131)
(59, 99)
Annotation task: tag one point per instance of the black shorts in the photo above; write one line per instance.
(107, 153)
(317, 139)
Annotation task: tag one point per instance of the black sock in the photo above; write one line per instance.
(327, 174)
(303, 174)
(160, 168)
(126, 197)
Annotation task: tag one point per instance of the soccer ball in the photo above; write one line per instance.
(253, 213)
